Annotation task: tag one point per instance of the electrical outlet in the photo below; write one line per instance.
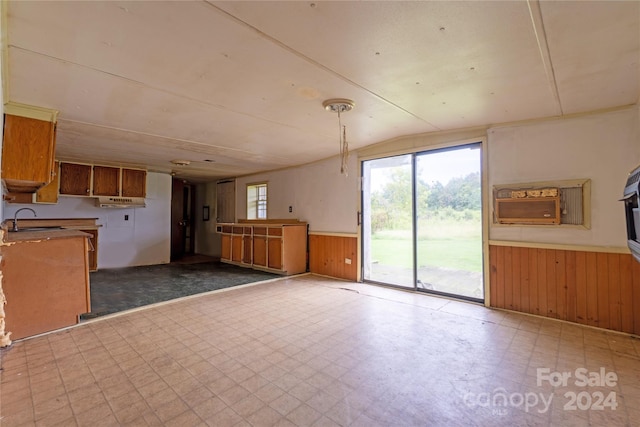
(290, 209)
(347, 261)
(126, 217)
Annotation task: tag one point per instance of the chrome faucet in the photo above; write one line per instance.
(15, 218)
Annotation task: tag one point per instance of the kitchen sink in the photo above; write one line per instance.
(24, 229)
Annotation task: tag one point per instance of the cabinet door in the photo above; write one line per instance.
(27, 153)
(247, 248)
(49, 193)
(93, 249)
(134, 183)
(226, 247)
(75, 179)
(106, 181)
(260, 251)
(236, 248)
(275, 253)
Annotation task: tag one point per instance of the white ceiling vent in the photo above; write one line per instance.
(120, 202)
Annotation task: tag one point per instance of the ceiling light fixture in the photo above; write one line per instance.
(341, 105)
(178, 162)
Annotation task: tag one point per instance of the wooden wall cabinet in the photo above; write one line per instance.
(274, 247)
(47, 194)
(87, 180)
(106, 181)
(28, 152)
(75, 179)
(134, 183)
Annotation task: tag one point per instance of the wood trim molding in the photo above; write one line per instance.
(562, 246)
(337, 234)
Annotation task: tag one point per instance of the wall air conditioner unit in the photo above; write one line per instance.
(528, 206)
(120, 202)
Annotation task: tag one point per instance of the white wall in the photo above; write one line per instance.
(603, 147)
(317, 193)
(145, 239)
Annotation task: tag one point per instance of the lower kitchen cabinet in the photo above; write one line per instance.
(259, 251)
(266, 245)
(236, 244)
(93, 248)
(45, 278)
(86, 225)
(275, 252)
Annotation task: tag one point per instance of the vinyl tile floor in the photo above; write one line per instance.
(311, 351)
(120, 289)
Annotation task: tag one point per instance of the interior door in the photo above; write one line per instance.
(226, 201)
(182, 219)
(177, 220)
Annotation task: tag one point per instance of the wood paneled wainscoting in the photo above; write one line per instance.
(593, 288)
(328, 255)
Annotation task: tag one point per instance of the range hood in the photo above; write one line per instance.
(120, 202)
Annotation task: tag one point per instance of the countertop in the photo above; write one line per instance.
(35, 236)
(69, 227)
(77, 223)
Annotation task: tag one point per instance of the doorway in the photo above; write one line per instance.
(183, 204)
(422, 221)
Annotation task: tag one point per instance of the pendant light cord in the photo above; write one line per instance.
(344, 146)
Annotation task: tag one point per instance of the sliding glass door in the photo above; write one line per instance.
(388, 224)
(422, 221)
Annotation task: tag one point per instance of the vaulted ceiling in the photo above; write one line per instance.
(237, 87)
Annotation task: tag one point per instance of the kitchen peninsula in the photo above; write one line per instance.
(45, 278)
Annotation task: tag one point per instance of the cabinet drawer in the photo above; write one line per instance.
(260, 231)
(275, 231)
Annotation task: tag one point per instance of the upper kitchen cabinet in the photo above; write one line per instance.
(49, 193)
(134, 183)
(75, 179)
(28, 148)
(95, 181)
(106, 181)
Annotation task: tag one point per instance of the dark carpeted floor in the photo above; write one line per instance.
(114, 290)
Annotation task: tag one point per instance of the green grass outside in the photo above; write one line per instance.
(459, 254)
(447, 243)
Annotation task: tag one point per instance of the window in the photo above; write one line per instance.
(257, 201)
